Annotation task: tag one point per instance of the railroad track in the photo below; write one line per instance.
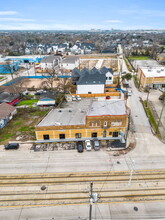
(73, 188)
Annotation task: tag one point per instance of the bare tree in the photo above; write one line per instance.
(50, 77)
(9, 67)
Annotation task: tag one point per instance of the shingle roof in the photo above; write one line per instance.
(90, 79)
(50, 59)
(76, 72)
(104, 70)
(6, 97)
(70, 59)
(6, 110)
(93, 76)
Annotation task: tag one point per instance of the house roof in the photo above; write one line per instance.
(94, 76)
(50, 59)
(71, 59)
(6, 110)
(76, 72)
(105, 70)
(91, 79)
(6, 97)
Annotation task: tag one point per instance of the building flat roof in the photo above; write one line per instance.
(75, 112)
(154, 71)
(107, 107)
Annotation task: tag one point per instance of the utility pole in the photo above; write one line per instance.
(160, 118)
(93, 197)
(133, 169)
(91, 200)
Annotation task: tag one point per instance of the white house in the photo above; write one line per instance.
(108, 73)
(6, 113)
(51, 62)
(70, 62)
(91, 82)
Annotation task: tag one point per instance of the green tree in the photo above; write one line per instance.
(127, 76)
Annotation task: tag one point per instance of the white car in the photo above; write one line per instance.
(162, 89)
(74, 98)
(129, 92)
(78, 97)
(88, 145)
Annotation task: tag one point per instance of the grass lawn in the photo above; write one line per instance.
(151, 118)
(23, 124)
(28, 102)
(139, 58)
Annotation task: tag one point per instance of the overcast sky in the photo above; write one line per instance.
(81, 14)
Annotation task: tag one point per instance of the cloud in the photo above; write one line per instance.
(15, 19)
(62, 26)
(8, 12)
(113, 21)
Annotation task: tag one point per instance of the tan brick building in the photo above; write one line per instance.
(153, 77)
(106, 120)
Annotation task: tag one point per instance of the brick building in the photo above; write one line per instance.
(87, 119)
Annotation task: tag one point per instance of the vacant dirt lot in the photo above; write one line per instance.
(98, 56)
(38, 83)
(89, 64)
(110, 64)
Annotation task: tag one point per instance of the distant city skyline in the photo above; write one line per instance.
(82, 15)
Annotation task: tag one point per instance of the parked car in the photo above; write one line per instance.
(108, 97)
(74, 98)
(161, 97)
(78, 97)
(80, 146)
(40, 92)
(96, 144)
(12, 146)
(162, 89)
(88, 145)
(129, 92)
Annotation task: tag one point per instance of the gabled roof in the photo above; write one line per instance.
(91, 79)
(104, 70)
(76, 72)
(50, 59)
(6, 97)
(71, 59)
(6, 110)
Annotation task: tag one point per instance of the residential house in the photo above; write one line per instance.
(51, 62)
(6, 113)
(11, 99)
(92, 81)
(153, 77)
(82, 48)
(70, 62)
(88, 119)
